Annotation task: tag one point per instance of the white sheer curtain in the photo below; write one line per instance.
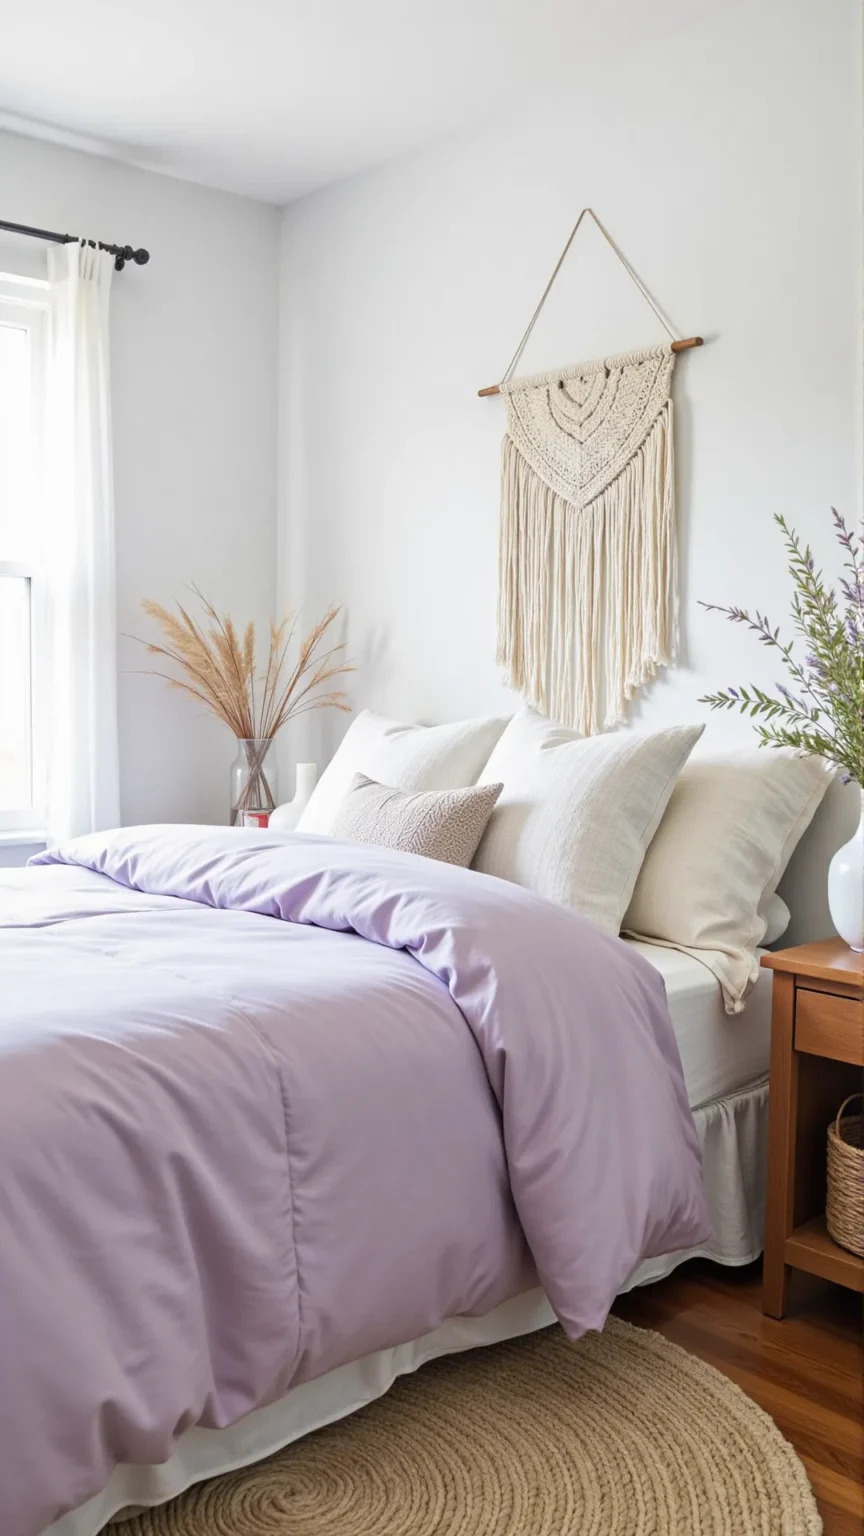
(83, 778)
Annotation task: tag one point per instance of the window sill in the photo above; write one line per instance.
(18, 837)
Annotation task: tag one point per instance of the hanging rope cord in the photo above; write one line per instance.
(587, 212)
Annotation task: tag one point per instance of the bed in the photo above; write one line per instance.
(180, 1139)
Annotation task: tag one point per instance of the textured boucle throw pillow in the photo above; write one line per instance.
(445, 824)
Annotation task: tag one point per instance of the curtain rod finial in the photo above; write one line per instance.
(126, 253)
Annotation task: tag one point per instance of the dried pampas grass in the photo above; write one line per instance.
(219, 668)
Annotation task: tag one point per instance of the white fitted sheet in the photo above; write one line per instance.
(720, 1052)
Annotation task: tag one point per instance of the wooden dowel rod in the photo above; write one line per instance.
(677, 346)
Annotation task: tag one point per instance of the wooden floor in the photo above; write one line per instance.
(806, 1371)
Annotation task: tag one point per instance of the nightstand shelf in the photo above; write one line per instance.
(817, 1052)
(810, 1247)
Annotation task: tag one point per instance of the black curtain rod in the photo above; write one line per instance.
(121, 253)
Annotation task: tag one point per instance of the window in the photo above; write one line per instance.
(22, 329)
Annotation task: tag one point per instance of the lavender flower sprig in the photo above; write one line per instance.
(823, 711)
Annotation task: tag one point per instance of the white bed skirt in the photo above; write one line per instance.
(733, 1132)
(734, 1136)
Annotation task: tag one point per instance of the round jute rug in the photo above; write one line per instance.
(622, 1434)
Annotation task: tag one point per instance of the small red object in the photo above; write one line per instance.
(256, 818)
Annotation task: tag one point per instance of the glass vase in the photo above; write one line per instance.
(253, 783)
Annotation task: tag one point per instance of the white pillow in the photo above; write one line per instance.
(709, 879)
(776, 917)
(577, 813)
(403, 756)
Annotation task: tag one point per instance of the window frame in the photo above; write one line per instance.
(24, 303)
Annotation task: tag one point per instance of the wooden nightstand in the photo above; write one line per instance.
(817, 1053)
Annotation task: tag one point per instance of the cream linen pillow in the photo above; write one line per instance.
(577, 813)
(405, 756)
(709, 879)
(445, 824)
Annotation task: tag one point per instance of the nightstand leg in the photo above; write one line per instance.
(775, 1285)
(782, 1130)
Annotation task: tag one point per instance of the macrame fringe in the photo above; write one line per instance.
(587, 612)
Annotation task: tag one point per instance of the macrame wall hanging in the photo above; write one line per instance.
(587, 600)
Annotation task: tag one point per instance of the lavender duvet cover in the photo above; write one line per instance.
(270, 1102)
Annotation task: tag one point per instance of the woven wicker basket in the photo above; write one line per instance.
(845, 1207)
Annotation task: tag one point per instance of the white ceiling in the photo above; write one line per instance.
(273, 98)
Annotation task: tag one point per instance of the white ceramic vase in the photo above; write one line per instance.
(285, 817)
(846, 888)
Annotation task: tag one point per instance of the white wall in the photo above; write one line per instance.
(194, 368)
(727, 165)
